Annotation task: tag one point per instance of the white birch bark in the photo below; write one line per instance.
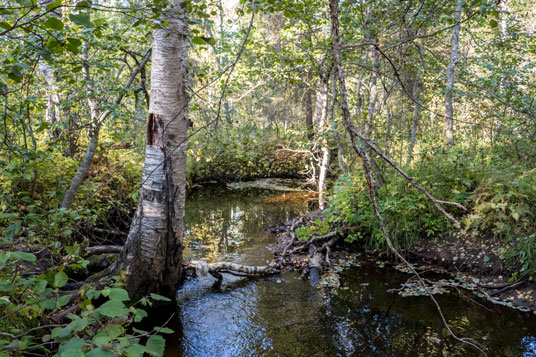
(151, 258)
(449, 111)
(320, 116)
(53, 110)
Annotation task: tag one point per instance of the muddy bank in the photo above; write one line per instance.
(460, 261)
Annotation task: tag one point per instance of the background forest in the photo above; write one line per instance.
(445, 89)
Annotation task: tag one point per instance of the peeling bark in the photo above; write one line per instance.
(151, 257)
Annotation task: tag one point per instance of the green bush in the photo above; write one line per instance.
(234, 154)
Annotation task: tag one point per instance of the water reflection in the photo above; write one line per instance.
(284, 316)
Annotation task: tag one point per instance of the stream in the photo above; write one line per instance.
(284, 316)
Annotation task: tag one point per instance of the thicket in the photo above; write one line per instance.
(496, 184)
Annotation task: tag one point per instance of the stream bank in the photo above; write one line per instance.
(469, 264)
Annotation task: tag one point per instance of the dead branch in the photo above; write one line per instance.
(334, 8)
(103, 249)
(313, 241)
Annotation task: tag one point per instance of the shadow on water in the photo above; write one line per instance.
(285, 316)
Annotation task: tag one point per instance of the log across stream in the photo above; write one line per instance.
(283, 315)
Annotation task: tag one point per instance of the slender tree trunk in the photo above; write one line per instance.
(83, 169)
(373, 90)
(308, 103)
(418, 83)
(414, 122)
(343, 165)
(53, 111)
(97, 119)
(151, 257)
(320, 118)
(449, 111)
(387, 129)
(370, 117)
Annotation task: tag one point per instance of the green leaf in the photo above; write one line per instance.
(136, 350)
(73, 45)
(28, 257)
(139, 315)
(113, 308)
(155, 345)
(101, 338)
(119, 294)
(493, 23)
(54, 23)
(53, 5)
(198, 41)
(48, 304)
(13, 230)
(52, 43)
(80, 19)
(62, 301)
(486, 259)
(99, 352)
(60, 279)
(7, 287)
(163, 330)
(157, 297)
(74, 344)
(59, 332)
(92, 294)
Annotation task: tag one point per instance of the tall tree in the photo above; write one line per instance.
(449, 111)
(53, 111)
(151, 257)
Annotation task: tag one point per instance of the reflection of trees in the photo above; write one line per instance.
(291, 319)
(222, 222)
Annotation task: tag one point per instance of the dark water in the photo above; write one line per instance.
(285, 316)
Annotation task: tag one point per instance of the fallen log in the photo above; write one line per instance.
(203, 268)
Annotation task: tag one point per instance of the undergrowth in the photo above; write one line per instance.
(498, 189)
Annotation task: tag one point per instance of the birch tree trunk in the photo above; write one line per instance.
(418, 83)
(449, 111)
(320, 118)
(53, 111)
(151, 257)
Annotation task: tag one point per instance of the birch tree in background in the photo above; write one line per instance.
(449, 111)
